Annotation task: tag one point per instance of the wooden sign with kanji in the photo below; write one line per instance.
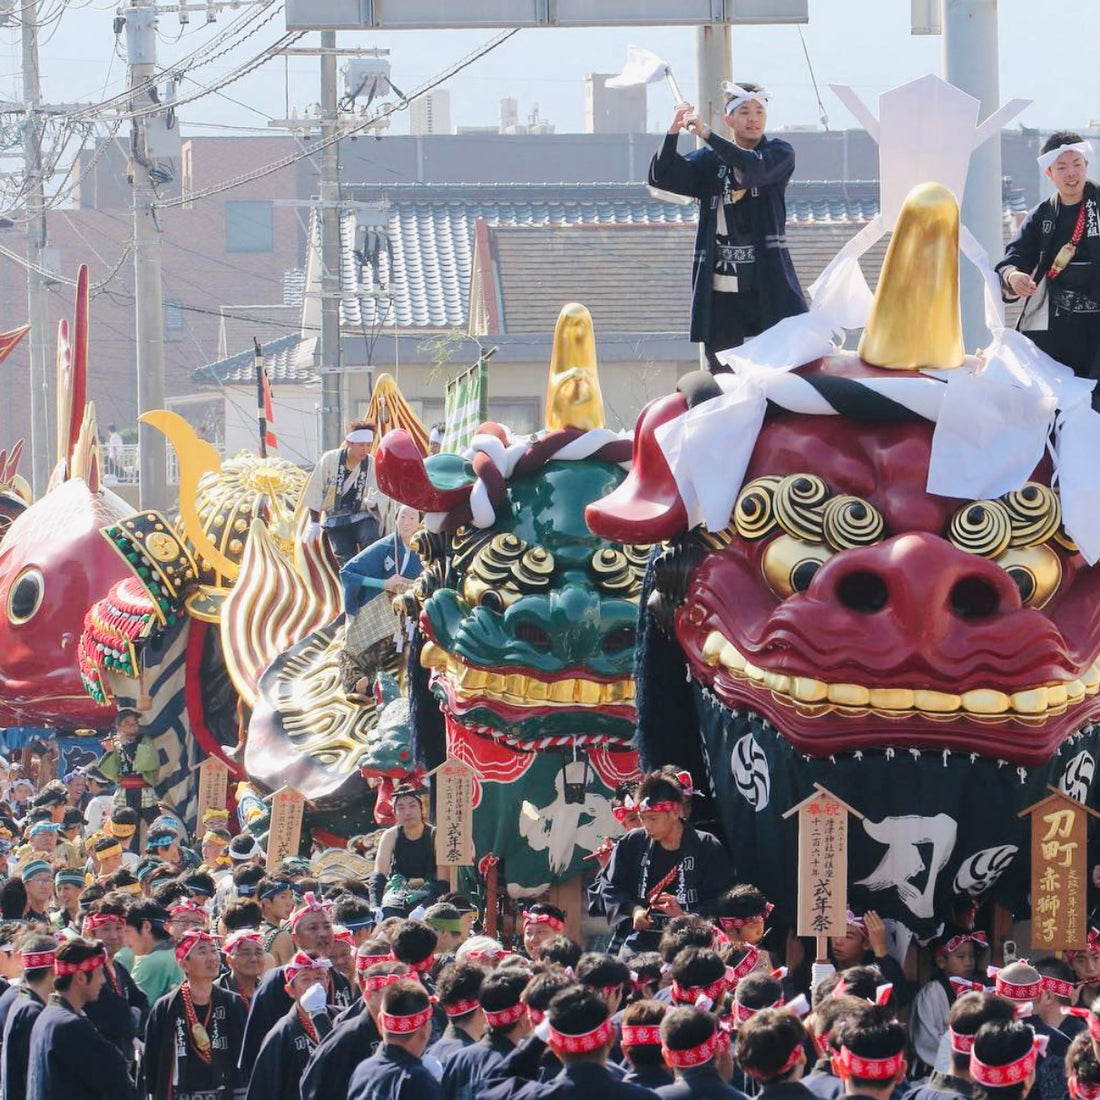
(1059, 872)
(285, 836)
(213, 786)
(822, 865)
(454, 814)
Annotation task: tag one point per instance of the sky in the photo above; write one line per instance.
(863, 43)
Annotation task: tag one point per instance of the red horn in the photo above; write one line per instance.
(403, 476)
(646, 507)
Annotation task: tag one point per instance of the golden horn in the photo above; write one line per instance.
(196, 457)
(915, 321)
(573, 397)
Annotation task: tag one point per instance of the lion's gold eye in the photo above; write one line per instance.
(1036, 572)
(789, 564)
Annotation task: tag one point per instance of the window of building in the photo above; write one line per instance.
(249, 227)
(174, 318)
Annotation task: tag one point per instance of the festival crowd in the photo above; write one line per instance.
(184, 970)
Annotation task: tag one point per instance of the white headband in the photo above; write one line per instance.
(360, 435)
(736, 95)
(437, 435)
(1082, 147)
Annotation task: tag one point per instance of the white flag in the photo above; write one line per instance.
(642, 67)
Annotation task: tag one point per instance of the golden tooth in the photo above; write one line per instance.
(937, 702)
(1033, 701)
(753, 672)
(893, 698)
(561, 691)
(849, 695)
(537, 690)
(628, 691)
(474, 678)
(588, 692)
(732, 658)
(985, 701)
(435, 656)
(495, 683)
(1075, 690)
(1057, 695)
(712, 648)
(517, 685)
(777, 681)
(807, 690)
(615, 693)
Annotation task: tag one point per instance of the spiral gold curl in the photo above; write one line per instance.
(533, 570)
(614, 572)
(1034, 512)
(800, 504)
(493, 563)
(754, 512)
(848, 522)
(981, 527)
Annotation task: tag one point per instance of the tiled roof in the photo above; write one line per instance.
(240, 325)
(288, 359)
(431, 231)
(632, 278)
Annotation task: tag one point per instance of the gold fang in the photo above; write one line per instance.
(915, 321)
(573, 395)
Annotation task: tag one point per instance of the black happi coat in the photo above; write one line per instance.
(582, 1080)
(17, 1043)
(704, 875)
(70, 1060)
(702, 174)
(170, 1059)
(330, 1067)
(120, 1014)
(392, 1073)
(283, 1057)
(270, 1003)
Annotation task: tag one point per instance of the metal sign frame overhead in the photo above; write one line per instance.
(393, 15)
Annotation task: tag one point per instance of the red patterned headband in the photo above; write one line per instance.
(505, 1017)
(365, 962)
(963, 985)
(535, 1015)
(189, 905)
(1011, 1073)
(960, 1044)
(374, 983)
(953, 944)
(786, 1067)
(695, 994)
(870, 1069)
(101, 920)
(310, 904)
(561, 1043)
(735, 924)
(303, 961)
(345, 934)
(744, 968)
(641, 1035)
(693, 1056)
(460, 1008)
(404, 1025)
(37, 960)
(544, 918)
(1027, 992)
(1091, 1022)
(242, 935)
(622, 812)
(190, 940)
(1082, 1090)
(62, 967)
(647, 807)
(1059, 987)
(1092, 946)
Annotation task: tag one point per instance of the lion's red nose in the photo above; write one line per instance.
(919, 578)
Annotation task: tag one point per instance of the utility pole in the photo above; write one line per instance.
(141, 56)
(713, 64)
(43, 380)
(331, 361)
(970, 63)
